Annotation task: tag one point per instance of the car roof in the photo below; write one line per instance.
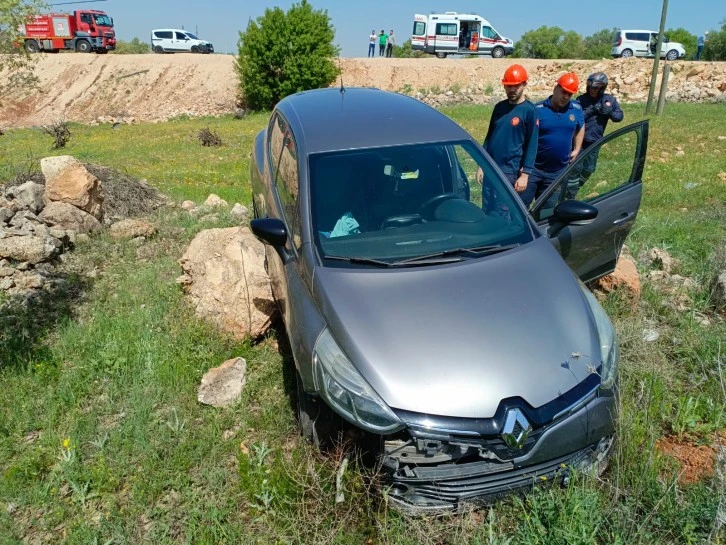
(638, 30)
(331, 120)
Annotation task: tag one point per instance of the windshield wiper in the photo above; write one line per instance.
(363, 260)
(475, 251)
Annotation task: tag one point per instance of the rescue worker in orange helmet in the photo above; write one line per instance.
(561, 132)
(511, 139)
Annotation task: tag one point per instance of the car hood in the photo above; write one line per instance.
(456, 339)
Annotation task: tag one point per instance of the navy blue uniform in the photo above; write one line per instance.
(597, 112)
(557, 130)
(511, 139)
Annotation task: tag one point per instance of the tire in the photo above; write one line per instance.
(441, 55)
(672, 55)
(498, 53)
(31, 46)
(83, 46)
(158, 49)
(625, 53)
(318, 424)
(195, 49)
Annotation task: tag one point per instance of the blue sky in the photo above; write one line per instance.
(220, 21)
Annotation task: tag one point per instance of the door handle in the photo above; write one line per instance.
(624, 217)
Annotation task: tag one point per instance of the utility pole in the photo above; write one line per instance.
(658, 47)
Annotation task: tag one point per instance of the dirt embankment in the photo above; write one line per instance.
(135, 88)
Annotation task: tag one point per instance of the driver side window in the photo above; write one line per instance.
(599, 170)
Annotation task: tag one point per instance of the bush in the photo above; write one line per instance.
(285, 53)
(133, 47)
(405, 51)
(715, 49)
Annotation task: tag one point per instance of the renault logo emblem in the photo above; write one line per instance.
(516, 429)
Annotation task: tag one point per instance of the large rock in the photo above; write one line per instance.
(222, 386)
(69, 217)
(29, 248)
(624, 277)
(226, 280)
(29, 194)
(132, 228)
(68, 181)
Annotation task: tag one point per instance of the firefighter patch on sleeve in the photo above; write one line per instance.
(515, 121)
(572, 117)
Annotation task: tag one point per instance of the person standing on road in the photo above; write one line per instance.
(561, 133)
(389, 45)
(511, 138)
(701, 44)
(598, 108)
(382, 40)
(372, 44)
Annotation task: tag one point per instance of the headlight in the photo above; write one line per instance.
(346, 391)
(609, 351)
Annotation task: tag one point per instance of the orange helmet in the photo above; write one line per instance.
(569, 82)
(514, 75)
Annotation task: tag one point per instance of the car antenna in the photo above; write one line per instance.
(340, 68)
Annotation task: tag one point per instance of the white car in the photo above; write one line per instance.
(172, 40)
(642, 43)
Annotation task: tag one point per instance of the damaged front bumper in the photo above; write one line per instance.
(437, 470)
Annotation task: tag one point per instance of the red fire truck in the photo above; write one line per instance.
(83, 31)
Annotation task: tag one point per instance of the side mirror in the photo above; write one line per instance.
(272, 231)
(574, 212)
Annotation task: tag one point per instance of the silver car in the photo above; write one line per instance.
(435, 313)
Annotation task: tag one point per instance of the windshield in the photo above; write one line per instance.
(395, 203)
(103, 20)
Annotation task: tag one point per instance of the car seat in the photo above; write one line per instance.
(336, 190)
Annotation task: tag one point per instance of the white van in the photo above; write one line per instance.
(642, 43)
(172, 40)
(452, 33)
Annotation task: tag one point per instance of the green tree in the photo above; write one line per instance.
(572, 46)
(133, 47)
(283, 53)
(542, 43)
(715, 49)
(16, 65)
(682, 36)
(405, 51)
(599, 44)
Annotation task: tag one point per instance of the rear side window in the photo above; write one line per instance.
(637, 36)
(446, 29)
(163, 34)
(419, 28)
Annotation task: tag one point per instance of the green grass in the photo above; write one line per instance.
(102, 439)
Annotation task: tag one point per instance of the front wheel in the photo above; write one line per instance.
(440, 55)
(195, 49)
(83, 46)
(498, 52)
(31, 46)
(318, 423)
(672, 55)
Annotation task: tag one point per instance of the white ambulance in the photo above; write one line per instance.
(452, 33)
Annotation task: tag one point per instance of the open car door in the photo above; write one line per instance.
(607, 176)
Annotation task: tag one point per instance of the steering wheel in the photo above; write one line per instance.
(430, 205)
